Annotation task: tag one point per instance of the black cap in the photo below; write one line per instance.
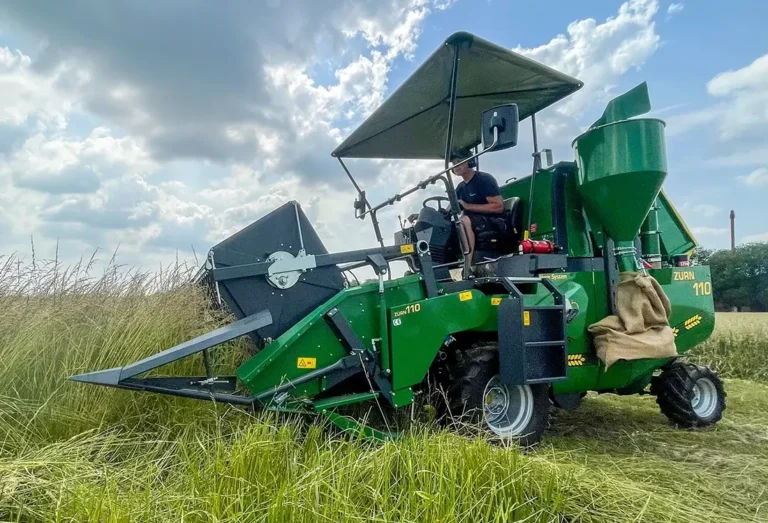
(462, 153)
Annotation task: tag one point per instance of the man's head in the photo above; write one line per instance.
(465, 168)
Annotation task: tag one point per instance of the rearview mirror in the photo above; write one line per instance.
(503, 118)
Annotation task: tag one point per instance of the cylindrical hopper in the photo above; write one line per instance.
(622, 166)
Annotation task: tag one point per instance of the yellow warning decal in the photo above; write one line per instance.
(495, 301)
(692, 322)
(406, 249)
(306, 363)
(466, 295)
(526, 318)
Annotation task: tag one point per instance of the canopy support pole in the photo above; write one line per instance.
(536, 167)
(536, 155)
(448, 147)
(449, 135)
(352, 179)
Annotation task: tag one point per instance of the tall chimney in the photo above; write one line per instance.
(733, 233)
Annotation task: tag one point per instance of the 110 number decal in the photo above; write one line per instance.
(702, 288)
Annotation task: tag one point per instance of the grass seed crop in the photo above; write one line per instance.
(73, 452)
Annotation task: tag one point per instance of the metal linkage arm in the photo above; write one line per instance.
(305, 263)
(117, 376)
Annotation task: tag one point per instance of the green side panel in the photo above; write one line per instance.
(579, 289)
(676, 237)
(621, 168)
(577, 229)
(419, 329)
(579, 243)
(693, 309)
(542, 201)
(313, 338)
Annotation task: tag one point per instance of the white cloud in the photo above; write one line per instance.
(273, 137)
(742, 106)
(705, 209)
(753, 76)
(599, 53)
(29, 98)
(442, 5)
(709, 231)
(62, 165)
(155, 77)
(208, 136)
(756, 238)
(675, 8)
(757, 177)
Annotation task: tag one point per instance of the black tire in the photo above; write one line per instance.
(477, 369)
(689, 395)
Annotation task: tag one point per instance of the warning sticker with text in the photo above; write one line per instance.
(306, 363)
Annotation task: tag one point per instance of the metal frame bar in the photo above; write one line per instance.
(449, 132)
(321, 260)
(185, 386)
(536, 167)
(611, 272)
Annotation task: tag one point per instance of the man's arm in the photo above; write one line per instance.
(495, 205)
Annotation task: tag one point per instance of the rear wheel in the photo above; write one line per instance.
(518, 413)
(690, 395)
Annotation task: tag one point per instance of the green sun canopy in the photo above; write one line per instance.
(412, 123)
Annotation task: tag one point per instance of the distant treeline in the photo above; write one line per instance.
(739, 278)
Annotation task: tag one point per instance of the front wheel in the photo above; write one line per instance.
(518, 414)
(690, 395)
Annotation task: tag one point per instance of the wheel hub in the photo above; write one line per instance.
(507, 410)
(496, 402)
(704, 402)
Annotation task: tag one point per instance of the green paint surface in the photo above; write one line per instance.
(619, 189)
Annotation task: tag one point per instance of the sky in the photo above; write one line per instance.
(157, 129)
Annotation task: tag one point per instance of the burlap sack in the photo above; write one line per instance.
(640, 328)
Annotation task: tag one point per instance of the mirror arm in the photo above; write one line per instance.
(376, 228)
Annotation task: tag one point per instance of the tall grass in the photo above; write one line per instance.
(739, 346)
(75, 452)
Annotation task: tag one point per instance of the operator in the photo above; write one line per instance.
(478, 195)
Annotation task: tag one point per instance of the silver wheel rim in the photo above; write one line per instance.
(704, 400)
(507, 410)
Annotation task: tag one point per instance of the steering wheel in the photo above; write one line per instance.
(439, 200)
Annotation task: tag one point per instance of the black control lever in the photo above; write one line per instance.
(360, 205)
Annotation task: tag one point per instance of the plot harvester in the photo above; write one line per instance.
(583, 283)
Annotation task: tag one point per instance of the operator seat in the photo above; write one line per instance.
(503, 235)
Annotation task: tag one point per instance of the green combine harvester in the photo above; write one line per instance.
(581, 284)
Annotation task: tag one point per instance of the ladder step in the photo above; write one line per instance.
(554, 343)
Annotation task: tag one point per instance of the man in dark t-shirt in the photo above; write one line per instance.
(478, 195)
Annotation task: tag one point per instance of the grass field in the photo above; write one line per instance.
(71, 452)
